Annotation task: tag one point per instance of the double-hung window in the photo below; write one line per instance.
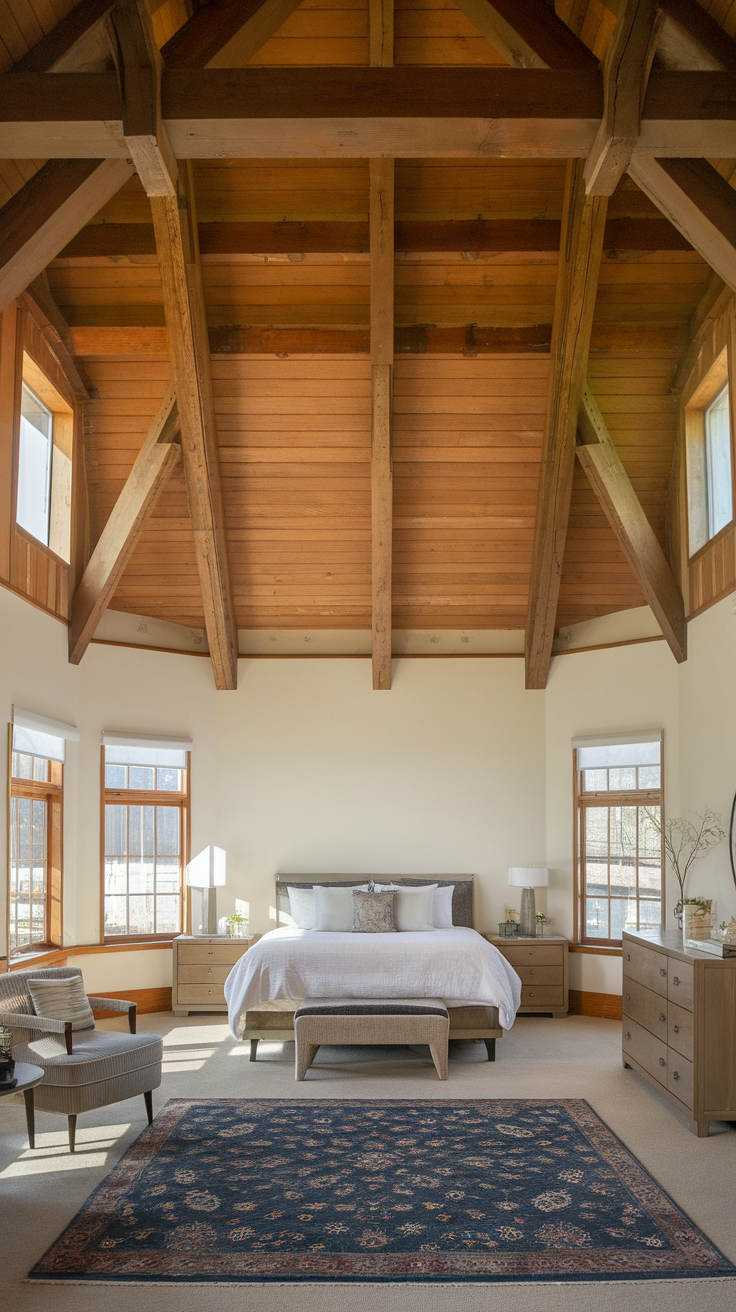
(618, 810)
(145, 803)
(35, 849)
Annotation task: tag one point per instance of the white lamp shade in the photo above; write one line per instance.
(529, 876)
(207, 869)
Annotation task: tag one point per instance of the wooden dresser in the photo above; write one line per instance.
(201, 966)
(679, 1024)
(541, 964)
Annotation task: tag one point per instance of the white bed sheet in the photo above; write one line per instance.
(455, 964)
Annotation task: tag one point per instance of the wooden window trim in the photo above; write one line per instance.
(38, 369)
(581, 942)
(701, 389)
(51, 792)
(135, 797)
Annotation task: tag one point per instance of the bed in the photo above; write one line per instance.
(264, 988)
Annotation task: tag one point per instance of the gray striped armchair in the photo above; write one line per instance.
(83, 1069)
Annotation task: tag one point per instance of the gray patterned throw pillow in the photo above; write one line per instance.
(373, 913)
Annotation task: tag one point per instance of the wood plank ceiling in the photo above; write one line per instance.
(286, 283)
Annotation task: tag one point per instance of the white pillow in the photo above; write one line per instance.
(333, 908)
(442, 909)
(301, 905)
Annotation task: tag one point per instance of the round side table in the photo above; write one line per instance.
(28, 1077)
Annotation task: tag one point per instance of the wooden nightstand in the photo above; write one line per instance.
(541, 964)
(201, 966)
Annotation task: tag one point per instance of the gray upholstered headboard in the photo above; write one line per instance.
(462, 898)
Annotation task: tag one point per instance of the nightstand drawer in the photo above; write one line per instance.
(198, 954)
(204, 974)
(540, 975)
(542, 996)
(680, 1077)
(646, 1007)
(542, 954)
(194, 993)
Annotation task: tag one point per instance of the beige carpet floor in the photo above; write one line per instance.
(573, 1058)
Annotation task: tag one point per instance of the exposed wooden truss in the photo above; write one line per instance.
(139, 70)
(175, 222)
(583, 225)
(691, 38)
(612, 486)
(226, 35)
(528, 34)
(155, 460)
(694, 196)
(625, 78)
(77, 43)
(408, 111)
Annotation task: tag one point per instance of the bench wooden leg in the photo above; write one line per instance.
(439, 1057)
(491, 1049)
(305, 1055)
(253, 1049)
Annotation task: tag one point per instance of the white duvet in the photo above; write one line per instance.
(455, 964)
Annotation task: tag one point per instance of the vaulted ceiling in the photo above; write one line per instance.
(290, 309)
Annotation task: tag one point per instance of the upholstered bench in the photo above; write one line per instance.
(373, 1020)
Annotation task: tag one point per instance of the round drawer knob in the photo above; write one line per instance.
(677, 1029)
(628, 997)
(675, 979)
(628, 956)
(662, 1016)
(663, 971)
(675, 1075)
(628, 1035)
(662, 1061)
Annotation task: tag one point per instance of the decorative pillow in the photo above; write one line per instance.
(62, 999)
(301, 905)
(442, 907)
(373, 913)
(333, 908)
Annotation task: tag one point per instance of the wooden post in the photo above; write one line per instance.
(583, 224)
(625, 79)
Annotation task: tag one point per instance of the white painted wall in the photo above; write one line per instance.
(306, 770)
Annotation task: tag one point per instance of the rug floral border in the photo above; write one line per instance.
(694, 1257)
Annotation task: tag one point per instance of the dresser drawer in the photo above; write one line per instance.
(680, 1077)
(646, 1007)
(198, 954)
(204, 974)
(680, 983)
(194, 993)
(647, 1050)
(542, 996)
(541, 975)
(680, 1029)
(547, 954)
(646, 967)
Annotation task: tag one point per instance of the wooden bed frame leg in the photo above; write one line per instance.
(491, 1049)
(253, 1049)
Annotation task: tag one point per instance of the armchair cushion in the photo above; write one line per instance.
(98, 1055)
(62, 999)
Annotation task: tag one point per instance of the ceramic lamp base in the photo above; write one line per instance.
(528, 923)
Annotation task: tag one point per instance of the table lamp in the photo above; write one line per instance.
(528, 878)
(207, 871)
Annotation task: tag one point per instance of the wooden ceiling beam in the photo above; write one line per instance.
(698, 201)
(175, 224)
(226, 35)
(583, 226)
(68, 46)
(635, 535)
(692, 39)
(139, 70)
(382, 369)
(153, 464)
(624, 82)
(41, 218)
(335, 237)
(401, 111)
(528, 34)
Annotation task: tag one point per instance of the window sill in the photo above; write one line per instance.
(58, 956)
(598, 951)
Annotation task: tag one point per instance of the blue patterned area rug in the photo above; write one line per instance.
(319, 1190)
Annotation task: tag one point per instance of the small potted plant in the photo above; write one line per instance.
(508, 928)
(543, 922)
(237, 925)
